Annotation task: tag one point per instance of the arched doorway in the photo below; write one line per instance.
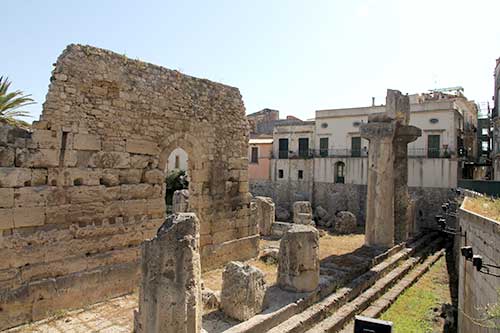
(176, 175)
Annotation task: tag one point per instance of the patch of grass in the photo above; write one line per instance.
(418, 308)
(485, 206)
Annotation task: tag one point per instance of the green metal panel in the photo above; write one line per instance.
(488, 187)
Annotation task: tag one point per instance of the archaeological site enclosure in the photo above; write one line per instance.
(80, 193)
(85, 221)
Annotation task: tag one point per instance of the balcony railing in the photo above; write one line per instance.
(325, 153)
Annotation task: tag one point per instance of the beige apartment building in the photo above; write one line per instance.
(330, 149)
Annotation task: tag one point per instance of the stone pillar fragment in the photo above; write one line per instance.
(404, 135)
(302, 212)
(379, 228)
(298, 264)
(265, 214)
(243, 291)
(170, 290)
(180, 201)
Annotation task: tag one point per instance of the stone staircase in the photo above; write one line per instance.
(340, 297)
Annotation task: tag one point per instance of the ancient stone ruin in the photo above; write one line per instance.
(82, 191)
(265, 214)
(298, 266)
(170, 289)
(387, 195)
(180, 201)
(302, 212)
(243, 290)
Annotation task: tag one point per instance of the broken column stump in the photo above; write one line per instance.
(265, 214)
(170, 289)
(298, 265)
(180, 201)
(302, 213)
(243, 291)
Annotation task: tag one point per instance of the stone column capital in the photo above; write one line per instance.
(378, 130)
(406, 134)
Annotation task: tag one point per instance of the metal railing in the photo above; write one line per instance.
(325, 153)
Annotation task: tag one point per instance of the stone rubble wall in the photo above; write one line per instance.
(352, 198)
(81, 192)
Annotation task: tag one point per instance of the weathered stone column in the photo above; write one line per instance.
(389, 133)
(379, 227)
(298, 265)
(170, 290)
(404, 135)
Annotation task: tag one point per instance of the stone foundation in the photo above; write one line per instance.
(352, 197)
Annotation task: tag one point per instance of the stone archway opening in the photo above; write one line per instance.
(176, 175)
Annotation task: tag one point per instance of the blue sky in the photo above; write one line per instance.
(295, 56)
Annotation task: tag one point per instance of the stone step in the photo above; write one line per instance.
(313, 313)
(386, 300)
(380, 290)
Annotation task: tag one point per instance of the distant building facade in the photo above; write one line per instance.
(330, 148)
(259, 157)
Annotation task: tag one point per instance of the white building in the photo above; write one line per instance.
(177, 160)
(330, 149)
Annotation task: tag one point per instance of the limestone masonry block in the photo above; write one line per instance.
(6, 218)
(265, 214)
(170, 290)
(298, 266)
(302, 212)
(6, 197)
(155, 176)
(29, 217)
(243, 291)
(7, 156)
(46, 139)
(15, 177)
(86, 142)
(142, 147)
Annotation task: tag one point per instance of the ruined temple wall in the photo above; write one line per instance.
(80, 193)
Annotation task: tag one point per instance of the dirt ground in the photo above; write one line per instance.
(329, 244)
(116, 315)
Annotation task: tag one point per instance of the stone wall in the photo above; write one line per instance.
(352, 197)
(476, 289)
(80, 193)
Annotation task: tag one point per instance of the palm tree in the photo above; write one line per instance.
(12, 102)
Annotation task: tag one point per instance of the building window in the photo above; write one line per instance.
(339, 172)
(283, 148)
(301, 174)
(280, 173)
(303, 147)
(433, 144)
(484, 131)
(177, 162)
(323, 147)
(254, 158)
(356, 146)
